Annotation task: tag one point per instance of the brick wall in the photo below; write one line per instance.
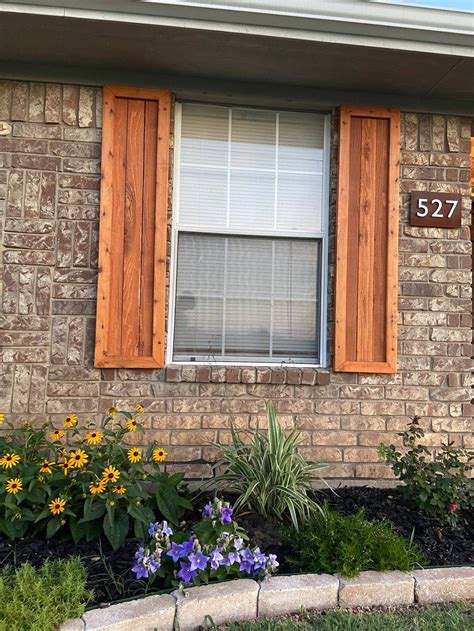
(49, 194)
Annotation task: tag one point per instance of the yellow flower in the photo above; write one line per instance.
(2, 418)
(110, 474)
(111, 411)
(94, 438)
(57, 506)
(134, 454)
(46, 466)
(78, 458)
(159, 454)
(70, 420)
(119, 489)
(57, 434)
(139, 408)
(14, 485)
(66, 466)
(97, 487)
(9, 460)
(131, 425)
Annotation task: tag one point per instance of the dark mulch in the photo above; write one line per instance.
(109, 572)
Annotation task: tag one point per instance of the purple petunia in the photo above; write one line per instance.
(186, 573)
(226, 515)
(198, 561)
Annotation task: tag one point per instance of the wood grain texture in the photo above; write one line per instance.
(367, 241)
(133, 223)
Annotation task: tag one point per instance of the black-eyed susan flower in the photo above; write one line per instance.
(46, 466)
(119, 489)
(94, 437)
(110, 474)
(2, 418)
(111, 411)
(9, 460)
(57, 434)
(131, 425)
(97, 487)
(134, 454)
(78, 458)
(66, 466)
(159, 454)
(139, 408)
(57, 506)
(14, 485)
(70, 420)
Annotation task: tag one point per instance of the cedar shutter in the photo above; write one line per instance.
(130, 331)
(367, 240)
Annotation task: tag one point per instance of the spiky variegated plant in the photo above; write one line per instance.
(268, 473)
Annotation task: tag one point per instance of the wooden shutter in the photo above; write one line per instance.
(367, 240)
(130, 330)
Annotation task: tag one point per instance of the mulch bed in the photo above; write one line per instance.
(109, 572)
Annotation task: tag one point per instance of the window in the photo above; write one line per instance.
(249, 236)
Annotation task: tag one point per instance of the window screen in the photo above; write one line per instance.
(249, 236)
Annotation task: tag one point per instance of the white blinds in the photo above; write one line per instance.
(247, 297)
(243, 168)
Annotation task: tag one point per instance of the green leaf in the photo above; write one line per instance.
(92, 511)
(117, 530)
(53, 526)
(78, 529)
(168, 503)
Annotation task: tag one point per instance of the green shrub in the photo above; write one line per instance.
(41, 600)
(85, 482)
(331, 542)
(268, 473)
(438, 484)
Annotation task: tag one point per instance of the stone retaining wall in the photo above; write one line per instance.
(49, 195)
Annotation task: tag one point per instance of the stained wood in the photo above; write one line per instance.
(367, 240)
(133, 220)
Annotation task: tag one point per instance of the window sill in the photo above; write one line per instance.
(235, 374)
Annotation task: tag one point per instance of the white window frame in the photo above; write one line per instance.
(323, 236)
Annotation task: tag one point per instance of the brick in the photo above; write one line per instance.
(224, 603)
(19, 111)
(52, 103)
(282, 595)
(444, 585)
(377, 589)
(70, 104)
(152, 612)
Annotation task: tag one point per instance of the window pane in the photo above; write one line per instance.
(247, 297)
(269, 178)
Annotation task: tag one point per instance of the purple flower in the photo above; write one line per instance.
(166, 529)
(272, 561)
(260, 559)
(144, 564)
(216, 558)
(186, 573)
(198, 561)
(153, 528)
(207, 510)
(238, 543)
(231, 558)
(247, 561)
(188, 546)
(140, 571)
(176, 552)
(226, 515)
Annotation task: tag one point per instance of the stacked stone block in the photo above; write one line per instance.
(49, 207)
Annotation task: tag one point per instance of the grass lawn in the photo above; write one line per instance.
(456, 617)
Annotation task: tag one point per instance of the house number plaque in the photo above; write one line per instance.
(436, 210)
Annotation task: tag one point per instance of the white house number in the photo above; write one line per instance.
(435, 210)
(424, 211)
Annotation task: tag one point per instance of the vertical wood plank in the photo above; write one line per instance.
(353, 259)
(116, 244)
(133, 228)
(148, 228)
